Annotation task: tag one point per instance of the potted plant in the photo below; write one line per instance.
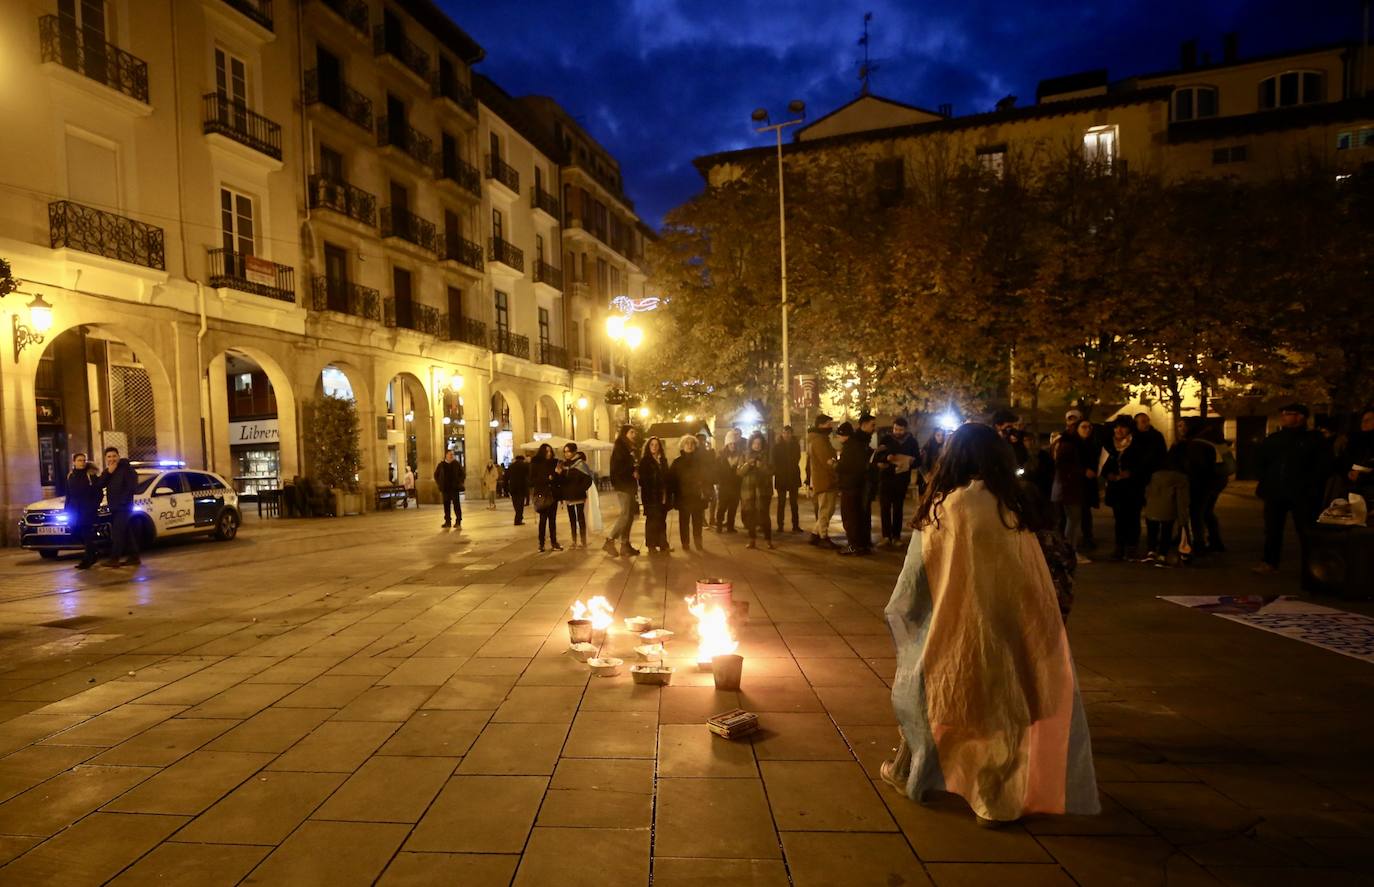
(335, 456)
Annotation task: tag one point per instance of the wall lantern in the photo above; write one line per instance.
(40, 321)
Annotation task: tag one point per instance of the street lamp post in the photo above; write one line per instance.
(798, 108)
(629, 337)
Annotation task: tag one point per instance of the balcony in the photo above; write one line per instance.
(583, 365)
(408, 141)
(461, 173)
(353, 12)
(393, 43)
(405, 225)
(467, 330)
(506, 253)
(339, 97)
(343, 297)
(65, 44)
(408, 314)
(250, 274)
(553, 355)
(453, 90)
(581, 290)
(543, 201)
(260, 11)
(101, 233)
(506, 342)
(548, 275)
(234, 121)
(503, 173)
(464, 252)
(343, 198)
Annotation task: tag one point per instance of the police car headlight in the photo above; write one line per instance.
(61, 517)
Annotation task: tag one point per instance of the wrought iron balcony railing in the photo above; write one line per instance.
(465, 329)
(338, 95)
(541, 199)
(423, 319)
(506, 342)
(506, 253)
(407, 226)
(455, 91)
(234, 120)
(546, 273)
(250, 274)
(583, 365)
(259, 11)
(101, 233)
(341, 197)
(352, 11)
(461, 173)
(458, 249)
(553, 355)
(503, 172)
(344, 297)
(395, 44)
(413, 143)
(69, 46)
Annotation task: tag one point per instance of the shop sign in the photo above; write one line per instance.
(254, 431)
(49, 410)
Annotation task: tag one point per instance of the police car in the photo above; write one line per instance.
(169, 500)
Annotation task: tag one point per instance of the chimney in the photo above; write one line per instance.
(1230, 47)
(946, 110)
(1187, 55)
(1006, 103)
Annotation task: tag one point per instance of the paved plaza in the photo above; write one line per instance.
(375, 700)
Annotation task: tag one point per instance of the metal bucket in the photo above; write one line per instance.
(579, 631)
(727, 670)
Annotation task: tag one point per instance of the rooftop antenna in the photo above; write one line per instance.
(867, 66)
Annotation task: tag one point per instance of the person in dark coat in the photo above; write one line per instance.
(787, 474)
(82, 506)
(1066, 492)
(518, 485)
(1152, 444)
(656, 494)
(625, 482)
(1125, 470)
(898, 456)
(544, 484)
(852, 478)
(689, 484)
(1291, 468)
(1357, 459)
(706, 463)
(120, 483)
(756, 489)
(451, 477)
(1198, 458)
(728, 481)
(1090, 459)
(577, 479)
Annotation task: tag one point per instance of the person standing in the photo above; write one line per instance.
(408, 484)
(1125, 471)
(1066, 491)
(756, 489)
(490, 478)
(820, 459)
(851, 476)
(1090, 459)
(82, 506)
(655, 493)
(625, 482)
(728, 481)
(706, 464)
(451, 477)
(930, 454)
(1291, 469)
(898, 456)
(1167, 509)
(518, 485)
(787, 474)
(544, 483)
(1357, 459)
(120, 483)
(1198, 458)
(1009, 735)
(689, 483)
(577, 479)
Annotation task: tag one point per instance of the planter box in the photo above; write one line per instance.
(347, 503)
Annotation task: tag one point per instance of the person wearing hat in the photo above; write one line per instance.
(1291, 467)
(820, 461)
(1071, 420)
(851, 474)
(787, 474)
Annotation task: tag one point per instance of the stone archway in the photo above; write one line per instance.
(507, 426)
(548, 417)
(410, 433)
(346, 379)
(253, 436)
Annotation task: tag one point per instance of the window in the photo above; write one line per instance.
(1345, 141)
(495, 146)
(202, 482)
(403, 300)
(603, 277)
(1366, 138)
(231, 77)
(543, 326)
(538, 180)
(575, 331)
(236, 222)
(498, 228)
(243, 382)
(1362, 138)
(539, 248)
(331, 164)
(616, 289)
(502, 313)
(400, 197)
(336, 278)
(1291, 88)
(1099, 146)
(992, 160)
(1194, 103)
(1232, 154)
(174, 481)
(455, 304)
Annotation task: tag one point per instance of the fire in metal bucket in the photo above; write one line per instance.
(713, 629)
(598, 610)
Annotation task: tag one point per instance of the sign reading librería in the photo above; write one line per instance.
(254, 431)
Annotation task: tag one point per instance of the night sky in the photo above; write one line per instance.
(659, 82)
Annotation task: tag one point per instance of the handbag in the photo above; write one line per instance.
(543, 502)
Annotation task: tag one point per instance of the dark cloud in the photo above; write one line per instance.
(659, 82)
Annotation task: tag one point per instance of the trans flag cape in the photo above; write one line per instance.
(985, 691)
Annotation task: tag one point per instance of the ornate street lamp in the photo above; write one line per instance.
(32, 333)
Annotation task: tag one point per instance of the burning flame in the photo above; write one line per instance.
(598, 610)
(713, 627)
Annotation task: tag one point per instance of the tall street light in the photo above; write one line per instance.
(629, 337)
(797, 108)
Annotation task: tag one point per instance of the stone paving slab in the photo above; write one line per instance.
(379, 701)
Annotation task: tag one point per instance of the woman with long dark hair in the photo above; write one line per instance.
(576, 478)
(985, 692)
(654, 492)
(544, 484)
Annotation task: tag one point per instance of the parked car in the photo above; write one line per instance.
(170, 501)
